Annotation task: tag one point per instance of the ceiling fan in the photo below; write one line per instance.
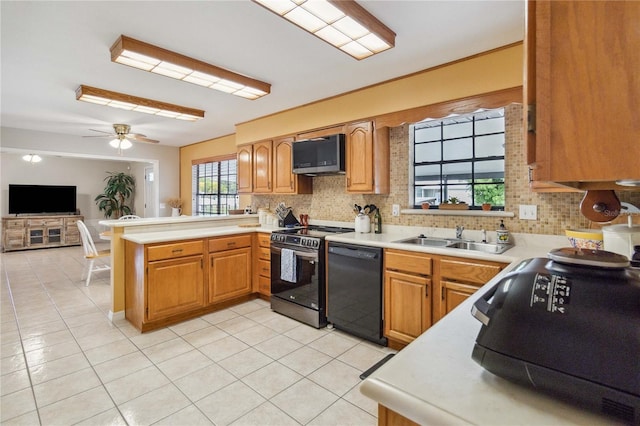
(121, 136)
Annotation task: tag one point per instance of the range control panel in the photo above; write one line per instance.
(296, 240)
(551, 293)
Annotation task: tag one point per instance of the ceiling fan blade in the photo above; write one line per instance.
(100, 131)
(140, 138)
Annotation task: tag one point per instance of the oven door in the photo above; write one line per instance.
(305, 290)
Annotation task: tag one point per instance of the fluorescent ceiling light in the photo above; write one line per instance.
(148, 57)
(32, 158)
(134, 103)
(342, 23)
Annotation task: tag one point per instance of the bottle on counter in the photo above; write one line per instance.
(503, 234)
(377, 222)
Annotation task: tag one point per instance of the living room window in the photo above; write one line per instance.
(459, 156)
(214, 186)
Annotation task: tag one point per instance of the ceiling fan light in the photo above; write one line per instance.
(32, 158)
(115, 143)
(125, 144)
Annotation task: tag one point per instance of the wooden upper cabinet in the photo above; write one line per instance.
(284, 180)
(262, 167)
(245, 169)
(587, 90)
(359, 157)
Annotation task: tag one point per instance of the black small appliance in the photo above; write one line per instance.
(569, 326)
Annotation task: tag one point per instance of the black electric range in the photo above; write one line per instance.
(298, 283)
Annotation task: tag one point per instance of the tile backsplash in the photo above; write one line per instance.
(556, 211)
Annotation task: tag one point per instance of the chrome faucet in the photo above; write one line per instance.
(484, 236)
(459, 229)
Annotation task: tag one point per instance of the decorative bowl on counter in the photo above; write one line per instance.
(585, 238)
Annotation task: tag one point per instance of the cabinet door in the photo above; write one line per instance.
(174, 286)
(407, 305)
(454, 294)
(587, 61)
(262, 167)
(229, 274)
(359, 157)
(245, 169)
(283, 178)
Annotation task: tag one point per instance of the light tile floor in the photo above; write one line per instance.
(63, 362)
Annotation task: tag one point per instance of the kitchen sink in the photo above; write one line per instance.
(483, 247)
(425, 241)
(456, 244)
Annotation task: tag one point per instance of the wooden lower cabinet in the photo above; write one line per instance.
(229, 274)
(459, 278)
(419, 289)
(169, 282)
(388, 417)
(175, 286)
(407, 295)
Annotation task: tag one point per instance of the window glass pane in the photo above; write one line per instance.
(490, 146)
(457, 130)
(457, 149)
(427, 134)
(428, 193)
(491, 125)
(490, 169)
(461, 192)
(427, 174)
(456, 172)
(428, 152)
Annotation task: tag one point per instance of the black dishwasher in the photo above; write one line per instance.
(354, 290)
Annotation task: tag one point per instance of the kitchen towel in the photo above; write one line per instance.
(288, 265)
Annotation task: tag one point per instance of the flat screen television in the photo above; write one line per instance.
(36, 199)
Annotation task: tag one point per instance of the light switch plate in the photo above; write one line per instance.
(528, 212)
(395, 210)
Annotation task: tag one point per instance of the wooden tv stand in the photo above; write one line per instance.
(40, 231)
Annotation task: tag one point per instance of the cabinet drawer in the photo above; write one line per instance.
(264, 253)
(227, 243)
(168, 251)
(264, 268)
(45, 222)
(468, 271)
(14, 223)
(416, 263)
(264, 240)
(264, 285)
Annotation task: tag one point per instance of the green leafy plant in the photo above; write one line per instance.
(118, 191)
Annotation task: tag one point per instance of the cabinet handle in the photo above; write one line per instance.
(176, 251)
(201, 264)
(291, 184)
(232, 243)
(348, 182)
(426, 291)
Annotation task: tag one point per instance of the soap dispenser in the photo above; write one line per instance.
(503, 233)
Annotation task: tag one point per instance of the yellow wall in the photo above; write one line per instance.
(495, 70)
(210, 148)
(498, 69)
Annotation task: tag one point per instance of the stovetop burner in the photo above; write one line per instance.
(310, 236)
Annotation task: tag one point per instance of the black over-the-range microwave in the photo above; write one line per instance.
(318, 156)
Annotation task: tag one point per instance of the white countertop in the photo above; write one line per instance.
(188, 234)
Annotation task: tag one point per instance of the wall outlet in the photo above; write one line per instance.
(528, 212)
(395, 210)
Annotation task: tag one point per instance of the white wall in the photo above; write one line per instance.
(73, 160)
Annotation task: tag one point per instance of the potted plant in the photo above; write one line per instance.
(176, 206)
(118, 191)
